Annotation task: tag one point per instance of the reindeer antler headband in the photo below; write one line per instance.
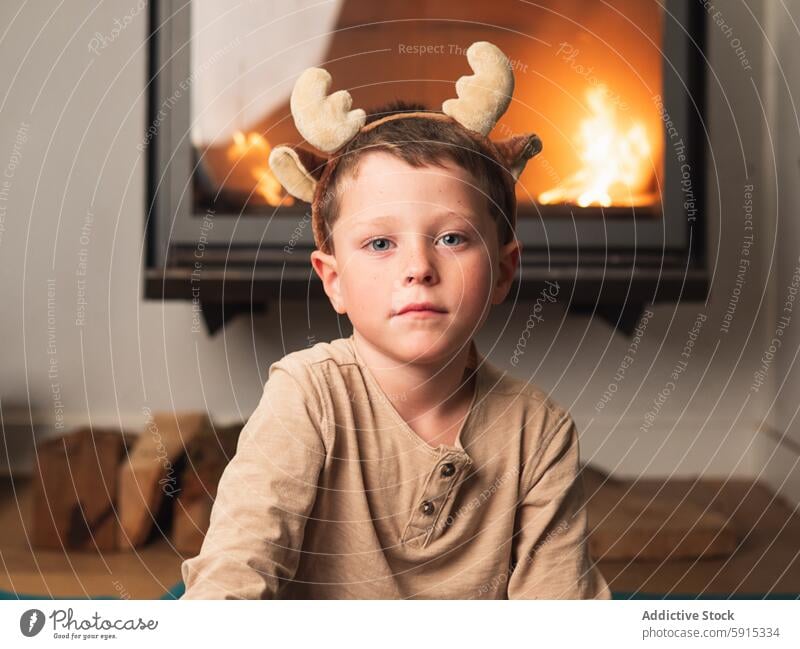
(328, 123)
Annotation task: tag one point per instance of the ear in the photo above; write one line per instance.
(517, 150)
(297, 170)
(508, 262)
(326, 267)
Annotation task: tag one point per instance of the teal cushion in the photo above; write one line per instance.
(178, 589)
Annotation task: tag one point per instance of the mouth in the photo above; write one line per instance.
(421, 309)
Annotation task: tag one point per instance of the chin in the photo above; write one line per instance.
(425, 347)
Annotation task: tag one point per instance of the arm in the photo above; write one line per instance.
(264, 498)
(550, 550)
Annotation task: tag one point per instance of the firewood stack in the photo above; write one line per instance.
(207, 456)
(106, 490)
(75, 488)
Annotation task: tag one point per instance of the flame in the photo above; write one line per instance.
(256, 147)
(616, 164)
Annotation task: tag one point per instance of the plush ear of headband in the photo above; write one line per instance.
(328, 123)
(298, 170)
(517, 150)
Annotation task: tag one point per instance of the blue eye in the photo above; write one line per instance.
(451, 236)
(382, 248)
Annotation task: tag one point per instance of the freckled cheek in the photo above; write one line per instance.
(468, 284)
(473, 274)
(364, 287)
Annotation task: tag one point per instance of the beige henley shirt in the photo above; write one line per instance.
(332, 495)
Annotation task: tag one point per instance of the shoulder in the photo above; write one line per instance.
(544, 414)
(308, 363)
(297, 382)
(544, 426)
(308, 367)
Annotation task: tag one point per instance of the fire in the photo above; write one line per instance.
(251, 151)
(617, 167)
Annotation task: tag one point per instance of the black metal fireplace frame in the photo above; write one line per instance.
(611, 265)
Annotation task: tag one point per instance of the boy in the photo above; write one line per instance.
(398, 462)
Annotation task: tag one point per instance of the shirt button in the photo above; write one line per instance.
(448, 469)
(427, 508)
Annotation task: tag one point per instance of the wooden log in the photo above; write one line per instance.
(151, 473)
(74, 490)
(207, 457)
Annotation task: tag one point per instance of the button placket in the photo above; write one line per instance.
(436, 499)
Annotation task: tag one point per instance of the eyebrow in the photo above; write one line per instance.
(391, 218)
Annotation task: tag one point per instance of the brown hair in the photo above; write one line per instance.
(419, 141)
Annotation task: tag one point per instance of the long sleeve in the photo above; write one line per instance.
(550, 558)
(264, 498)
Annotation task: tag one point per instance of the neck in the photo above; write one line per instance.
(420, 389)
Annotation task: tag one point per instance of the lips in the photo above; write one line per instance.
(421, 306)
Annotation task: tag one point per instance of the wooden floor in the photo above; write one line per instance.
(766, 560)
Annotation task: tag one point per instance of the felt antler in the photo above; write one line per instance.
(325, 121)
(483, 97)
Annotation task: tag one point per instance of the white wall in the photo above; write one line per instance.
(777, 451)
(82, 114)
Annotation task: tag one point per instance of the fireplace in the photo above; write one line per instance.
(612, 208)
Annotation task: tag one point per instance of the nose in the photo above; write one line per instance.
(419, 267)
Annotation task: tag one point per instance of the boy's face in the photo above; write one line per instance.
(407, 235)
